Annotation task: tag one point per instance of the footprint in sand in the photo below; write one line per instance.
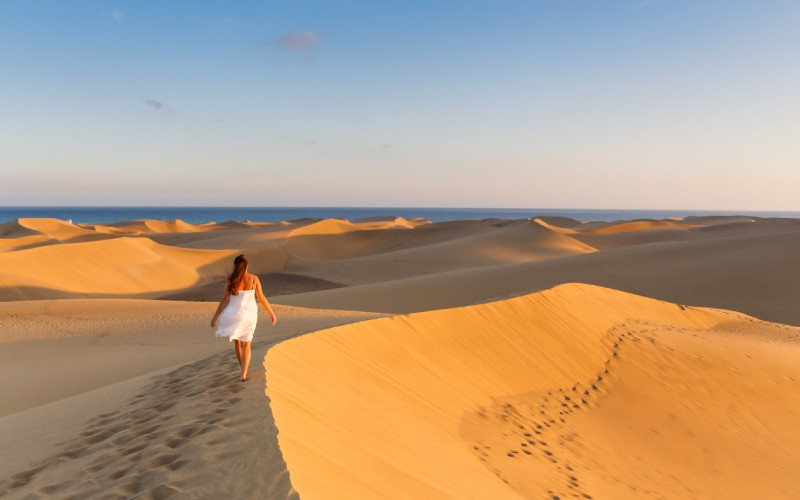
(97, 436)
(162, 460)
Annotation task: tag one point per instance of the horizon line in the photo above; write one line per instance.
(416, 207)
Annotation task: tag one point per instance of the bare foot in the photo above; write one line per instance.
(244, 379)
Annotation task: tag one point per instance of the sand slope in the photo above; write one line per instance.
(29, 233)
(441, 249)
(117, 267)
(552, 394)
(758, 274)
(136, 398)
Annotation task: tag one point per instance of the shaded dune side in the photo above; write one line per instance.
(376, 408)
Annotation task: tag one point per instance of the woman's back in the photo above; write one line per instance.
(248, 283)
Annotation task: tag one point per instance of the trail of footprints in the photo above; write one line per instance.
(128, 452)
(537, 430)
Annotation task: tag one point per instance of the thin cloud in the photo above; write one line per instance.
(300, 40)
(117, 15)
(157, 105)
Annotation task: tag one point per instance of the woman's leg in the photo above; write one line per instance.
(245, 359)
(238, 346)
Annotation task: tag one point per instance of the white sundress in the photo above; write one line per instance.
(238, 319)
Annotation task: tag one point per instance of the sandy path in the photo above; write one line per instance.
(192, 429)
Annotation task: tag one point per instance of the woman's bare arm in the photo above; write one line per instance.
(261, 298)
(222, 303)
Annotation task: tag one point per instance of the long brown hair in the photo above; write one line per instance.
(236, 279)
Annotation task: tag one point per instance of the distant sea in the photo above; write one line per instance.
(201, 215)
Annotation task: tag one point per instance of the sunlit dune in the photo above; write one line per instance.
(147, 226)
(122, 266)
(387, 222)
(54, 228)
(573, 391)
(559, 225)
(28, 232)
(340, 239)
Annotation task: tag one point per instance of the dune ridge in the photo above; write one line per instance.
(416, 405)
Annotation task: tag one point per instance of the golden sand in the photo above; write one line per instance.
(529, 358)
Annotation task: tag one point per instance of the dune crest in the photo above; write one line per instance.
(494, 400)
(148, 226)
(53, 228)
(29, 232)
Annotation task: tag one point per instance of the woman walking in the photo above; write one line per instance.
(238, 311)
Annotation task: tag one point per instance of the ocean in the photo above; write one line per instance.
(201, 215)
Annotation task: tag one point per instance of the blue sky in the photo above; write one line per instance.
(583, 104)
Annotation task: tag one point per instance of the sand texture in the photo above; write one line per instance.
(575, 391)
(533, 358)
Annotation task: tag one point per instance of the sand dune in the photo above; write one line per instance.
(470, 246)
(757, 274)
(700, 261)
(338, 239)
(639, 225)
(117, 267)
(127, 398)
(52, 228)
(109, 394)
(29, 233)
(244, 239)
(148, 226)
(517, 398)
(387, 222)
